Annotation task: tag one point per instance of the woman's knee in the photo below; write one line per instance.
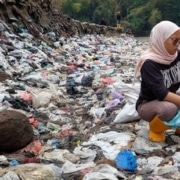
(164, 110)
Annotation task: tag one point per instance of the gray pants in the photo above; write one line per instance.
(163, 109)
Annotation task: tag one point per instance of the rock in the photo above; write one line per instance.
(3, 76)
(15, 131)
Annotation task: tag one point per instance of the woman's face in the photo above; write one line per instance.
(172, 43)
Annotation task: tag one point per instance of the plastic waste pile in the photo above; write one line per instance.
(79, 99)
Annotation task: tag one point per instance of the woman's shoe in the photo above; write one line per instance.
(157, 130)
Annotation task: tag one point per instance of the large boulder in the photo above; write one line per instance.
(15, 131)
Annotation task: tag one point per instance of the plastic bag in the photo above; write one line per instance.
(129, 91)
(127, 114)
(97, 113)
(174, 122)
(126, 160)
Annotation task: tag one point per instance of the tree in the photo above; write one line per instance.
(171, 11)
(155, 17)
(76, 7)
(138, 19)
(140, 15)
(101, 12)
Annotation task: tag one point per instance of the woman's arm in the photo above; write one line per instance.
(173, 98)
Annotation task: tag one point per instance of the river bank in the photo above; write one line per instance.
(143, 38)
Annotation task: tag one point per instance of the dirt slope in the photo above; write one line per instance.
(40, 17)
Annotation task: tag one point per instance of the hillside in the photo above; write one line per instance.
(40, 17)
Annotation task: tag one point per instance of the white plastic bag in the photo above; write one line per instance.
(127, 114)
(41, 99)
(97, 113)
(104, 171)
(131, 92)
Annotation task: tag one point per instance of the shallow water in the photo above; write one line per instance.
(144, 38)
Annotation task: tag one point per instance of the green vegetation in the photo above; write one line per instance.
(139, 15)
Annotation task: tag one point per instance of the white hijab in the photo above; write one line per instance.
(156, 50)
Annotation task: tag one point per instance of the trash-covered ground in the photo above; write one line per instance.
(67, 101)
(67, 111)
